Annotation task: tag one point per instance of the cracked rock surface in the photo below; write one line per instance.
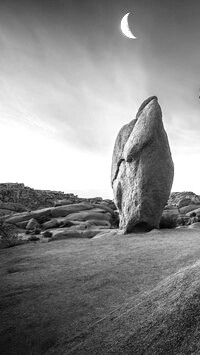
(142, 169)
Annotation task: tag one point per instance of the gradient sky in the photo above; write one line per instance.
(69, 80)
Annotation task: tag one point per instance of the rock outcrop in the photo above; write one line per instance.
(29, 198)
(79, 220)
(142, 169)
(184, 198)
(169, 217)
(18, 198)
(84, 220)
(182, 210)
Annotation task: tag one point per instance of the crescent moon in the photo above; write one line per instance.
(125, 27)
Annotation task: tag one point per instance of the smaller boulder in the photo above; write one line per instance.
(195, 225)
(105, 208)
(74, 232)
(63, 211)
(169, 218)
(53, 223)
(22, 224)
(32, 224)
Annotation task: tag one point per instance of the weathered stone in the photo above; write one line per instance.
(115, 222)
(169, 218)
(99, 222)
(22, 224)
(105, 207)
(187, 209)
(41, 216)
(110, 203)
(101, 215)
(32, 224)
(142, 169)
(183, 197)
(74, 232)
(194, 213)
(45, 214)
(53, 223)
(90, 215)
(57, 222)
(62, 211)
(18, 217)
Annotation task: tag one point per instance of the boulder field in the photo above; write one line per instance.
(183, 209)
(16, 197)
(84, 220)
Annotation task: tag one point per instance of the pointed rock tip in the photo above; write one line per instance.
(146, 102)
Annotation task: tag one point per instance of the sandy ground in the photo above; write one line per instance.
(55, 296)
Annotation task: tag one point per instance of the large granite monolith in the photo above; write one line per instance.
(142, 169)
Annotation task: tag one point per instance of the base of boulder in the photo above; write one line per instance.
(139, 228)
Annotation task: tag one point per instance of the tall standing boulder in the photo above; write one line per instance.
(142, 169)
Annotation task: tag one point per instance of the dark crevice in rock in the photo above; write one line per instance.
(117, 169)
(119, 196)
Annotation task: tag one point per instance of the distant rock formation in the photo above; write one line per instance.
(16, 197)
(14, 193)
(183, 198)
(142, 169)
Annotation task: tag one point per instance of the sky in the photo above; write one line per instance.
(69, 80)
